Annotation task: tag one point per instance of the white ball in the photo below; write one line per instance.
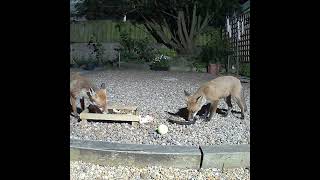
(162, 129)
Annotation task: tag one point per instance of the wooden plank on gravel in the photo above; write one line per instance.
(111, 117)
(132, 108)
(134, 117)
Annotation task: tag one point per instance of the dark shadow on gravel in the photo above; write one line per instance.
(109, 121)
(183, 112)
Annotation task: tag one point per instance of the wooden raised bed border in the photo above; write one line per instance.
(133, 117)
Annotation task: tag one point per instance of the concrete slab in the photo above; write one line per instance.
(137, 155)
(226, 156)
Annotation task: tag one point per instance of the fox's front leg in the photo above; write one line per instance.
(82, 104)
(213, 109)
(74, 106)
(205, 114)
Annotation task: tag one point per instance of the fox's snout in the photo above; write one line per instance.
(191, 115)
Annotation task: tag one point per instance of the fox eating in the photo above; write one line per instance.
(211, 92)
(81, 87)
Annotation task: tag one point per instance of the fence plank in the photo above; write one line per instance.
(106, 31)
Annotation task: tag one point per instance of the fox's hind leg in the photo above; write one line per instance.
(241, 106)
(244, 103)
(228, 101)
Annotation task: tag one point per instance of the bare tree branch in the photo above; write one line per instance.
(205, 22)
(193, 23)
(180, 34)
(185, 32)
(175, 17)
(172, 33)
(188, 16)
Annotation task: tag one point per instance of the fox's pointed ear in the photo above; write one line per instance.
(103, 86)
(186, 93)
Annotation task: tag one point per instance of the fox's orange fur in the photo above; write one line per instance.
(81, 87)
(214, 90)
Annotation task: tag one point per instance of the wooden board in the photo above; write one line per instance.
(113, 117)
(132, 108)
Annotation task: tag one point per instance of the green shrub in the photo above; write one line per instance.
(216, 50)
(199, 66)
(97, 51)
(144, 50)
(138, 51)
(135, 50)
(168, 52)
(160, 62)
(244, 69)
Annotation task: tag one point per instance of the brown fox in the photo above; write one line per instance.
(81, 87)
(214, 90)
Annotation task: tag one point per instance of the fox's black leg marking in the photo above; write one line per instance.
(228, 101)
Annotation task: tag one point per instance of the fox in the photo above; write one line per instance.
(212, 91)
(81, 87)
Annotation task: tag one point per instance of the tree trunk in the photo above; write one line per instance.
(181, 36)
(185, 51)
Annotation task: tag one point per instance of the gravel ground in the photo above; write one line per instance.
(80, 170)
(156, 92)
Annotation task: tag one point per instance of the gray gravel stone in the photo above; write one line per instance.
(153, 172)
(155, 93)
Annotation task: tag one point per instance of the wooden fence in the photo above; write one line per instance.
(242, 46)
(104, 31)
(107, 31)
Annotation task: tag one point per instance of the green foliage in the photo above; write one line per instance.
(97, 51)
(244, 69)
(160, 62)
(216, 50)
(145, 51)
(135, 50)
(84, 61)
(168, 52)
(101, 9)
(126, 41)
(199, 66)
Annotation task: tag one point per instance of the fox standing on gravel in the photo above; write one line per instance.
(80, 87)
(214, 90)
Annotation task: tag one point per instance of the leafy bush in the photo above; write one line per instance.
(97, 51)
(133, 50)
(216, 50)
(79, 61)
(126, 41)
(199, 66)
(168, 52)
(136, 50)
(144, 50)
(244, 69)
(160, 62)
